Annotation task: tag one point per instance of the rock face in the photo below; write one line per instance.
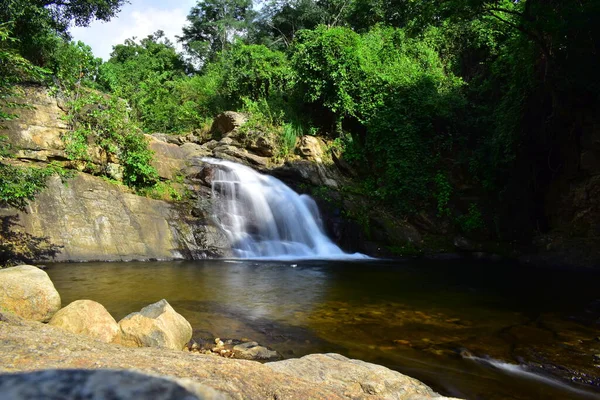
(87, 317)
(28, 346)
(156, 325)
(91, 219)
(99, 385)
(356, 379)
(36, 134)
(28, 292)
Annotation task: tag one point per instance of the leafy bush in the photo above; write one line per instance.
(103, 121)
(255, 71)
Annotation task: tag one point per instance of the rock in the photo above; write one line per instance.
(260, 144)
(169, 158)
(87, 317)
(91, 219)
(28, 292)
(34, 346)
(311, 148)
(156, 325)
(397, 233)
(252, 351)
(356, 379)
(236, 154)
(37, 133)
(227, 122)
(115, 171)
(464, 244)
(173, 139)
(73, 384)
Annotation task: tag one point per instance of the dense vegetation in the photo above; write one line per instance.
(456, 106)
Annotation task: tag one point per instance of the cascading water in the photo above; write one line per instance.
(264, 218)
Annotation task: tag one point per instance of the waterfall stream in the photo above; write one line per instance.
(265, 219)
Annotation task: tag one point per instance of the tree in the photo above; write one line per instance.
(214, 25)
(38, 25)
(145, 73)
(279, 21)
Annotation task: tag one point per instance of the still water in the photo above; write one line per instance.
(468, 329)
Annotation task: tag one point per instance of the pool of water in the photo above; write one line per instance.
(468, 329)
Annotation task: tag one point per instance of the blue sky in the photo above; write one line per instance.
(139, 18)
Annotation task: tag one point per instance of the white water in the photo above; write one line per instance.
(265, 219)
(522, 371)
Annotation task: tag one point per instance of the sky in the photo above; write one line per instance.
(140, 18)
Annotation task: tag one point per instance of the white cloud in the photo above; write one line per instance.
(140, 19)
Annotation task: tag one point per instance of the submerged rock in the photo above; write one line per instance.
(28, 292)
(87, 317)
(253, 351)
(156, 325)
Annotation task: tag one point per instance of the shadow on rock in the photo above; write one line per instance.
(17, 247)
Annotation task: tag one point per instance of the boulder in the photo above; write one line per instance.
(311, 148)
(238, 155)
(253, 351)
(87, 317)
(227, 122)
(260, 144)
(354, 378)
(28, 292)
(156, 325)
(72, 384)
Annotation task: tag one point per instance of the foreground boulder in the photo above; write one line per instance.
(87, 317)
(156, 325)
(28, 292)
(31, 346)
(99, 385)
(356, 379)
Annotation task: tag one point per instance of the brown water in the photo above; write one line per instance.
(468, 329)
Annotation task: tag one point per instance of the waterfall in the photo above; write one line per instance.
(264, 218)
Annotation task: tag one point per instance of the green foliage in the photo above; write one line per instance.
(13, 70)
(19, 185)
(443, 193)
(73, 64)
(148, 75)
(472, 220)
(254, 71)
(213, 25)
(328, 69)
(101, 122)
(41, 25)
